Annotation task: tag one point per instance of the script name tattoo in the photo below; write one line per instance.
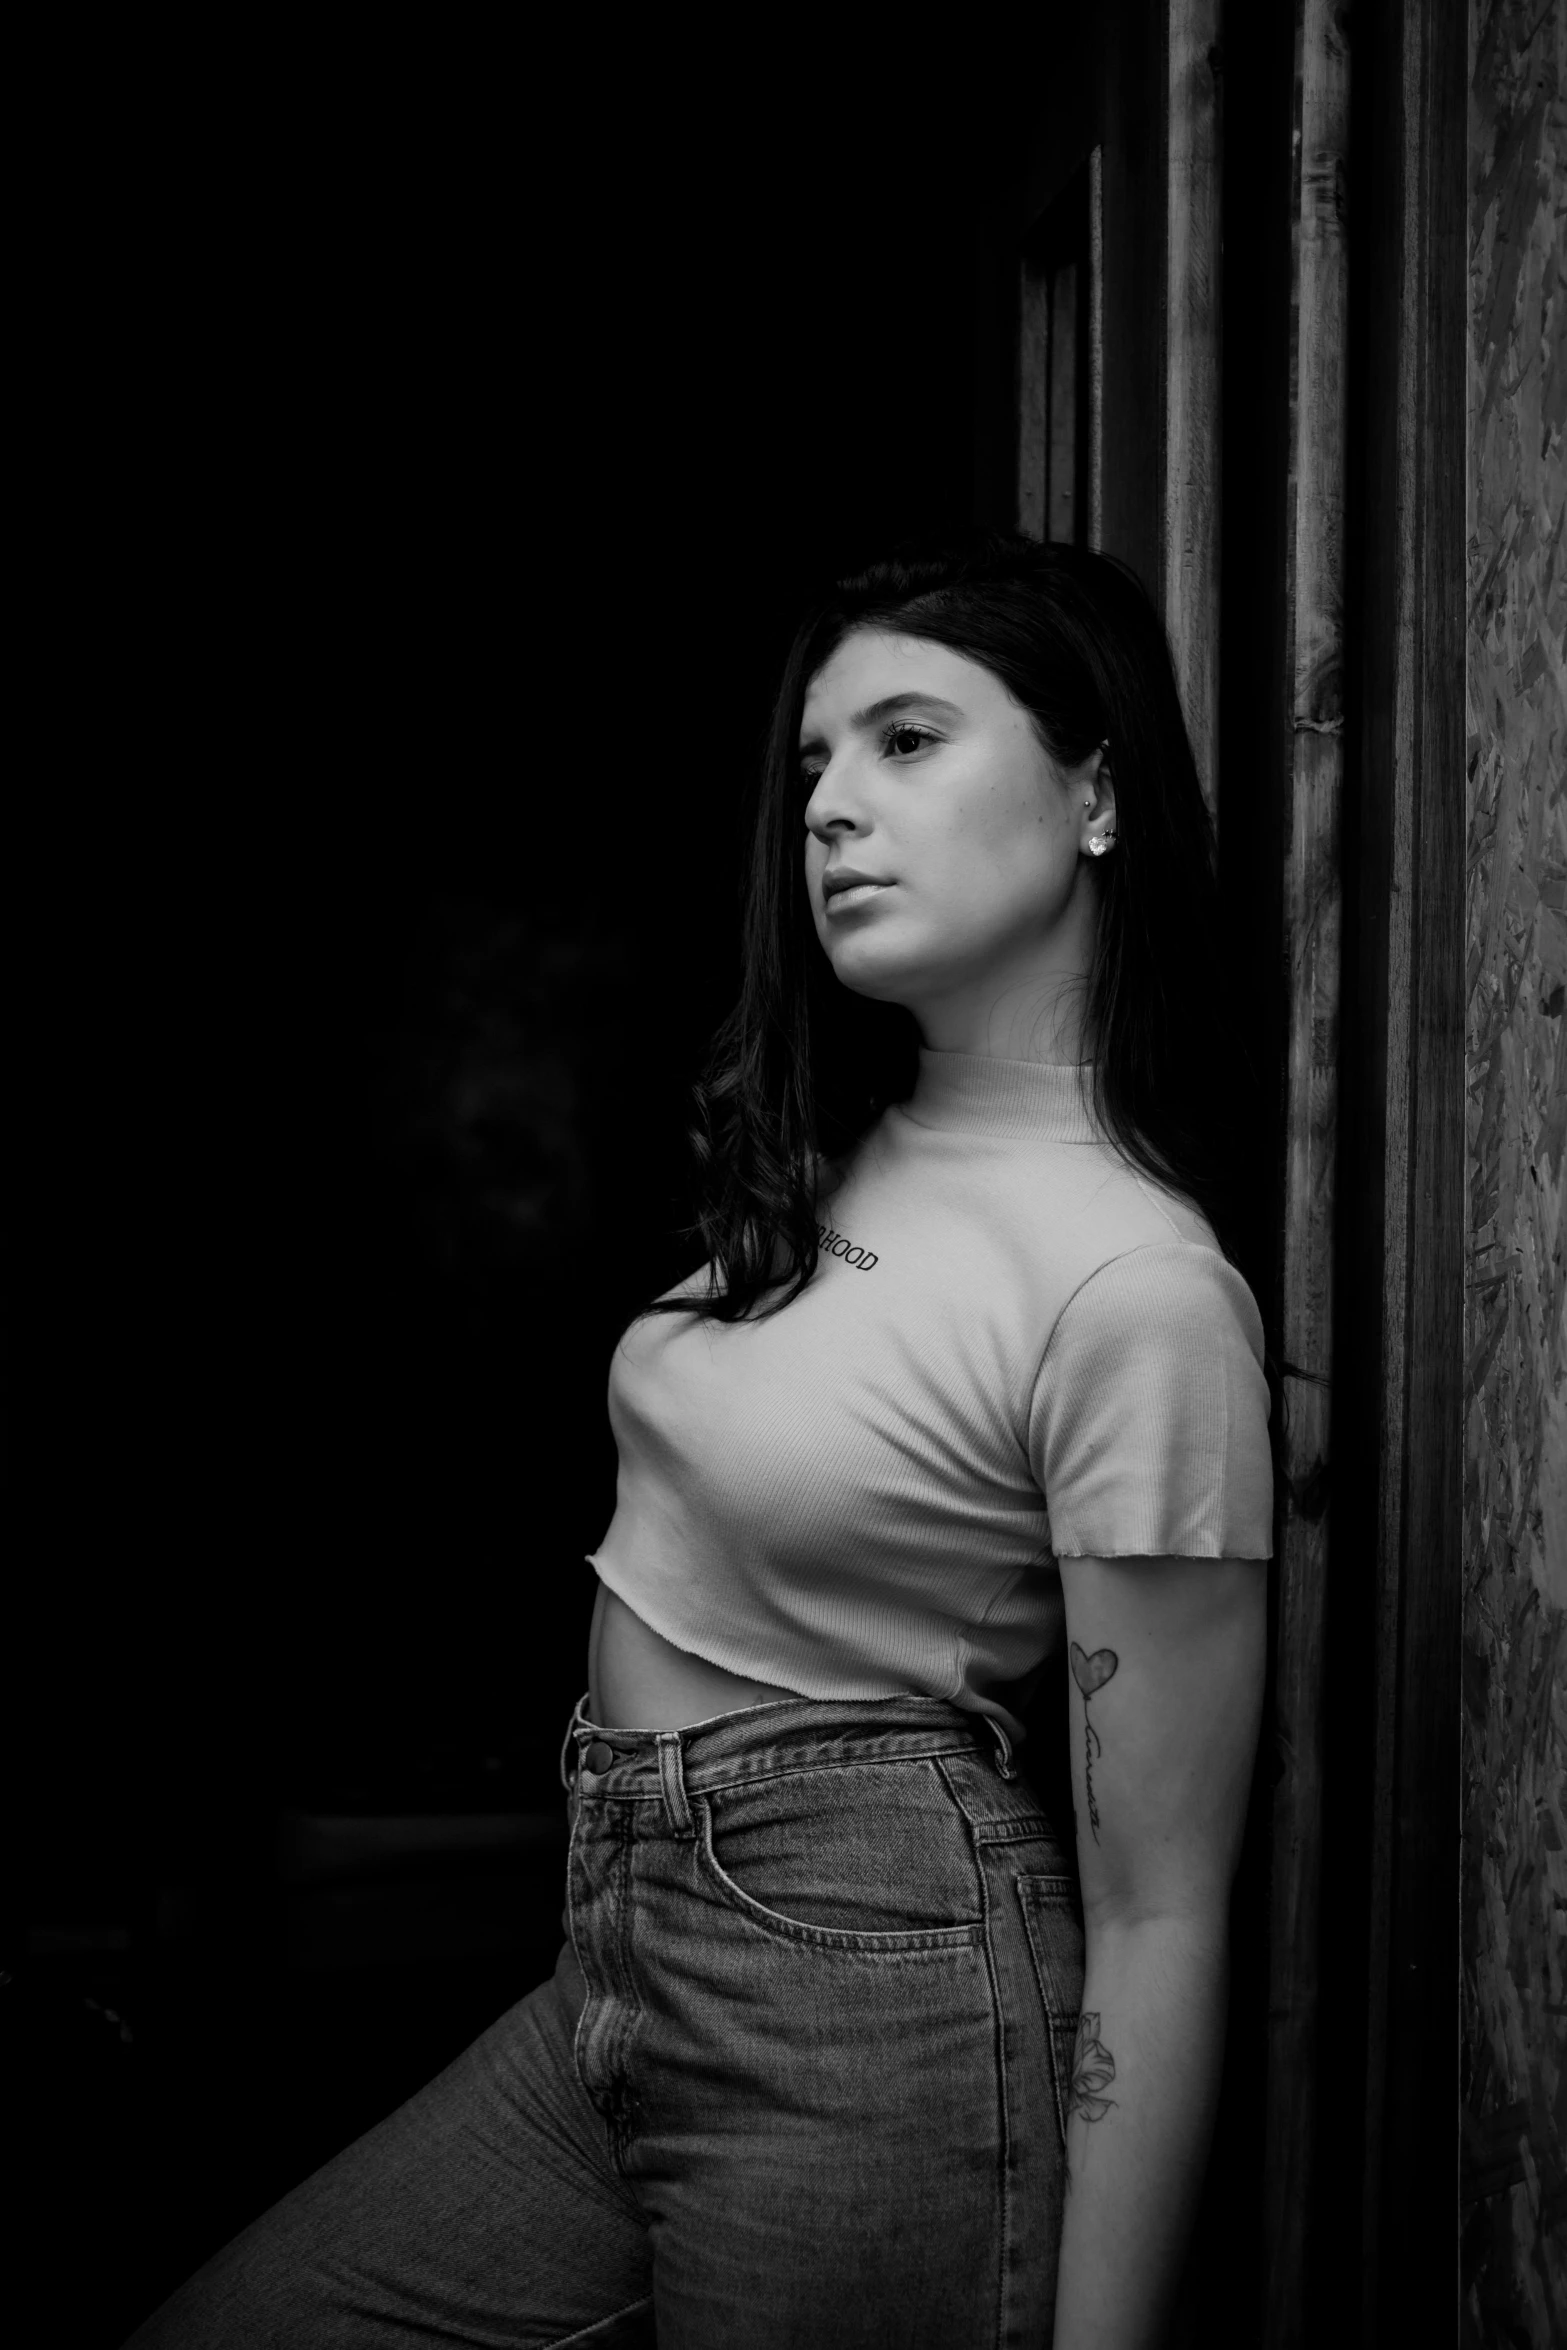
(1091, 1673)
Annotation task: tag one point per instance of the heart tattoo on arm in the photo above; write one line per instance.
(1091, 1673)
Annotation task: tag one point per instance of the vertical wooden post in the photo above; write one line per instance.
(1312, 907)
(1033, 380)
(1194, 253)
(1514, 2044)
(1413, 1005)
(1065, 423)
(1096, 346)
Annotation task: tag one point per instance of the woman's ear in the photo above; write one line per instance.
(1096, 832)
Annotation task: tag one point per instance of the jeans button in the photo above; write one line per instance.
(599, 1756)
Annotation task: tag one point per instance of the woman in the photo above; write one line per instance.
(967, 1380)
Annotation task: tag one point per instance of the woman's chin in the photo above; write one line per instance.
(886, 979)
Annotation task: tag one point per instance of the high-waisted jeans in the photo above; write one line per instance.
(799, 2080)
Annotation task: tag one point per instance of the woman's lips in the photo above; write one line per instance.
(858, 893)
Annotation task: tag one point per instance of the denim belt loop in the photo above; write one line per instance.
(672, 1780)
(1006, 1768)
(568, 1742)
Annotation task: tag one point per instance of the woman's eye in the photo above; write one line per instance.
(906, 739)
(899, 742)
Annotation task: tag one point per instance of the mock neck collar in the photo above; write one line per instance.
(968, 1093)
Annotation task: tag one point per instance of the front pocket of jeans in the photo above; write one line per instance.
(863, 1858)
(1055, 1943)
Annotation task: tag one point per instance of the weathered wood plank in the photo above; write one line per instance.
(1065, 423)
(1192, 467)
(1096, 346)
(1312, 910)
(1033, 420)
(1414, 789)
(1134, 112)
(1514, 1863)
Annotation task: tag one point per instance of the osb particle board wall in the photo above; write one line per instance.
(1515, 1478)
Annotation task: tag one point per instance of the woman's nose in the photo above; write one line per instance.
(833, 806)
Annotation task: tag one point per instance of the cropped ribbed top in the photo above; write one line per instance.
(1014, 1349)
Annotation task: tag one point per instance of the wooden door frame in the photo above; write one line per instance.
(1339, 738)
(1362, 2141)
(1402, 1259)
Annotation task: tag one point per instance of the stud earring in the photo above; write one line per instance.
(1096, 848)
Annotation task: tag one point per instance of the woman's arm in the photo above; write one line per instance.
(1167, 1674)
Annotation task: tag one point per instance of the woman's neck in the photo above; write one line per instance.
(1025, 1023)
(1030, 1007)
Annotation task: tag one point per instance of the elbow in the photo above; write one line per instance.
(1196, 1916)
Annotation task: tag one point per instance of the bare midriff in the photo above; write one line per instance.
(638, 1680)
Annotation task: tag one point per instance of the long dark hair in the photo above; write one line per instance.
(802, 1066)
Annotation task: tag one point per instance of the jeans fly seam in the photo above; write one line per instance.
(580, 2029)
(625, 2032)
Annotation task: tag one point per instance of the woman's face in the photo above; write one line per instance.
(963, 843)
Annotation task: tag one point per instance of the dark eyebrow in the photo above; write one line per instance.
(888, 707)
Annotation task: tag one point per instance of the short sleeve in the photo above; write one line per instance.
(1148, 1431)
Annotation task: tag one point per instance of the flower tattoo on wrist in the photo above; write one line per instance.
(1093, 2069)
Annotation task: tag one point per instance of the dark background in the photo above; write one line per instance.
(437, 469)
(435, 449)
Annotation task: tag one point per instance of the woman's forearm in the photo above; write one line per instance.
(1145, 2081)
